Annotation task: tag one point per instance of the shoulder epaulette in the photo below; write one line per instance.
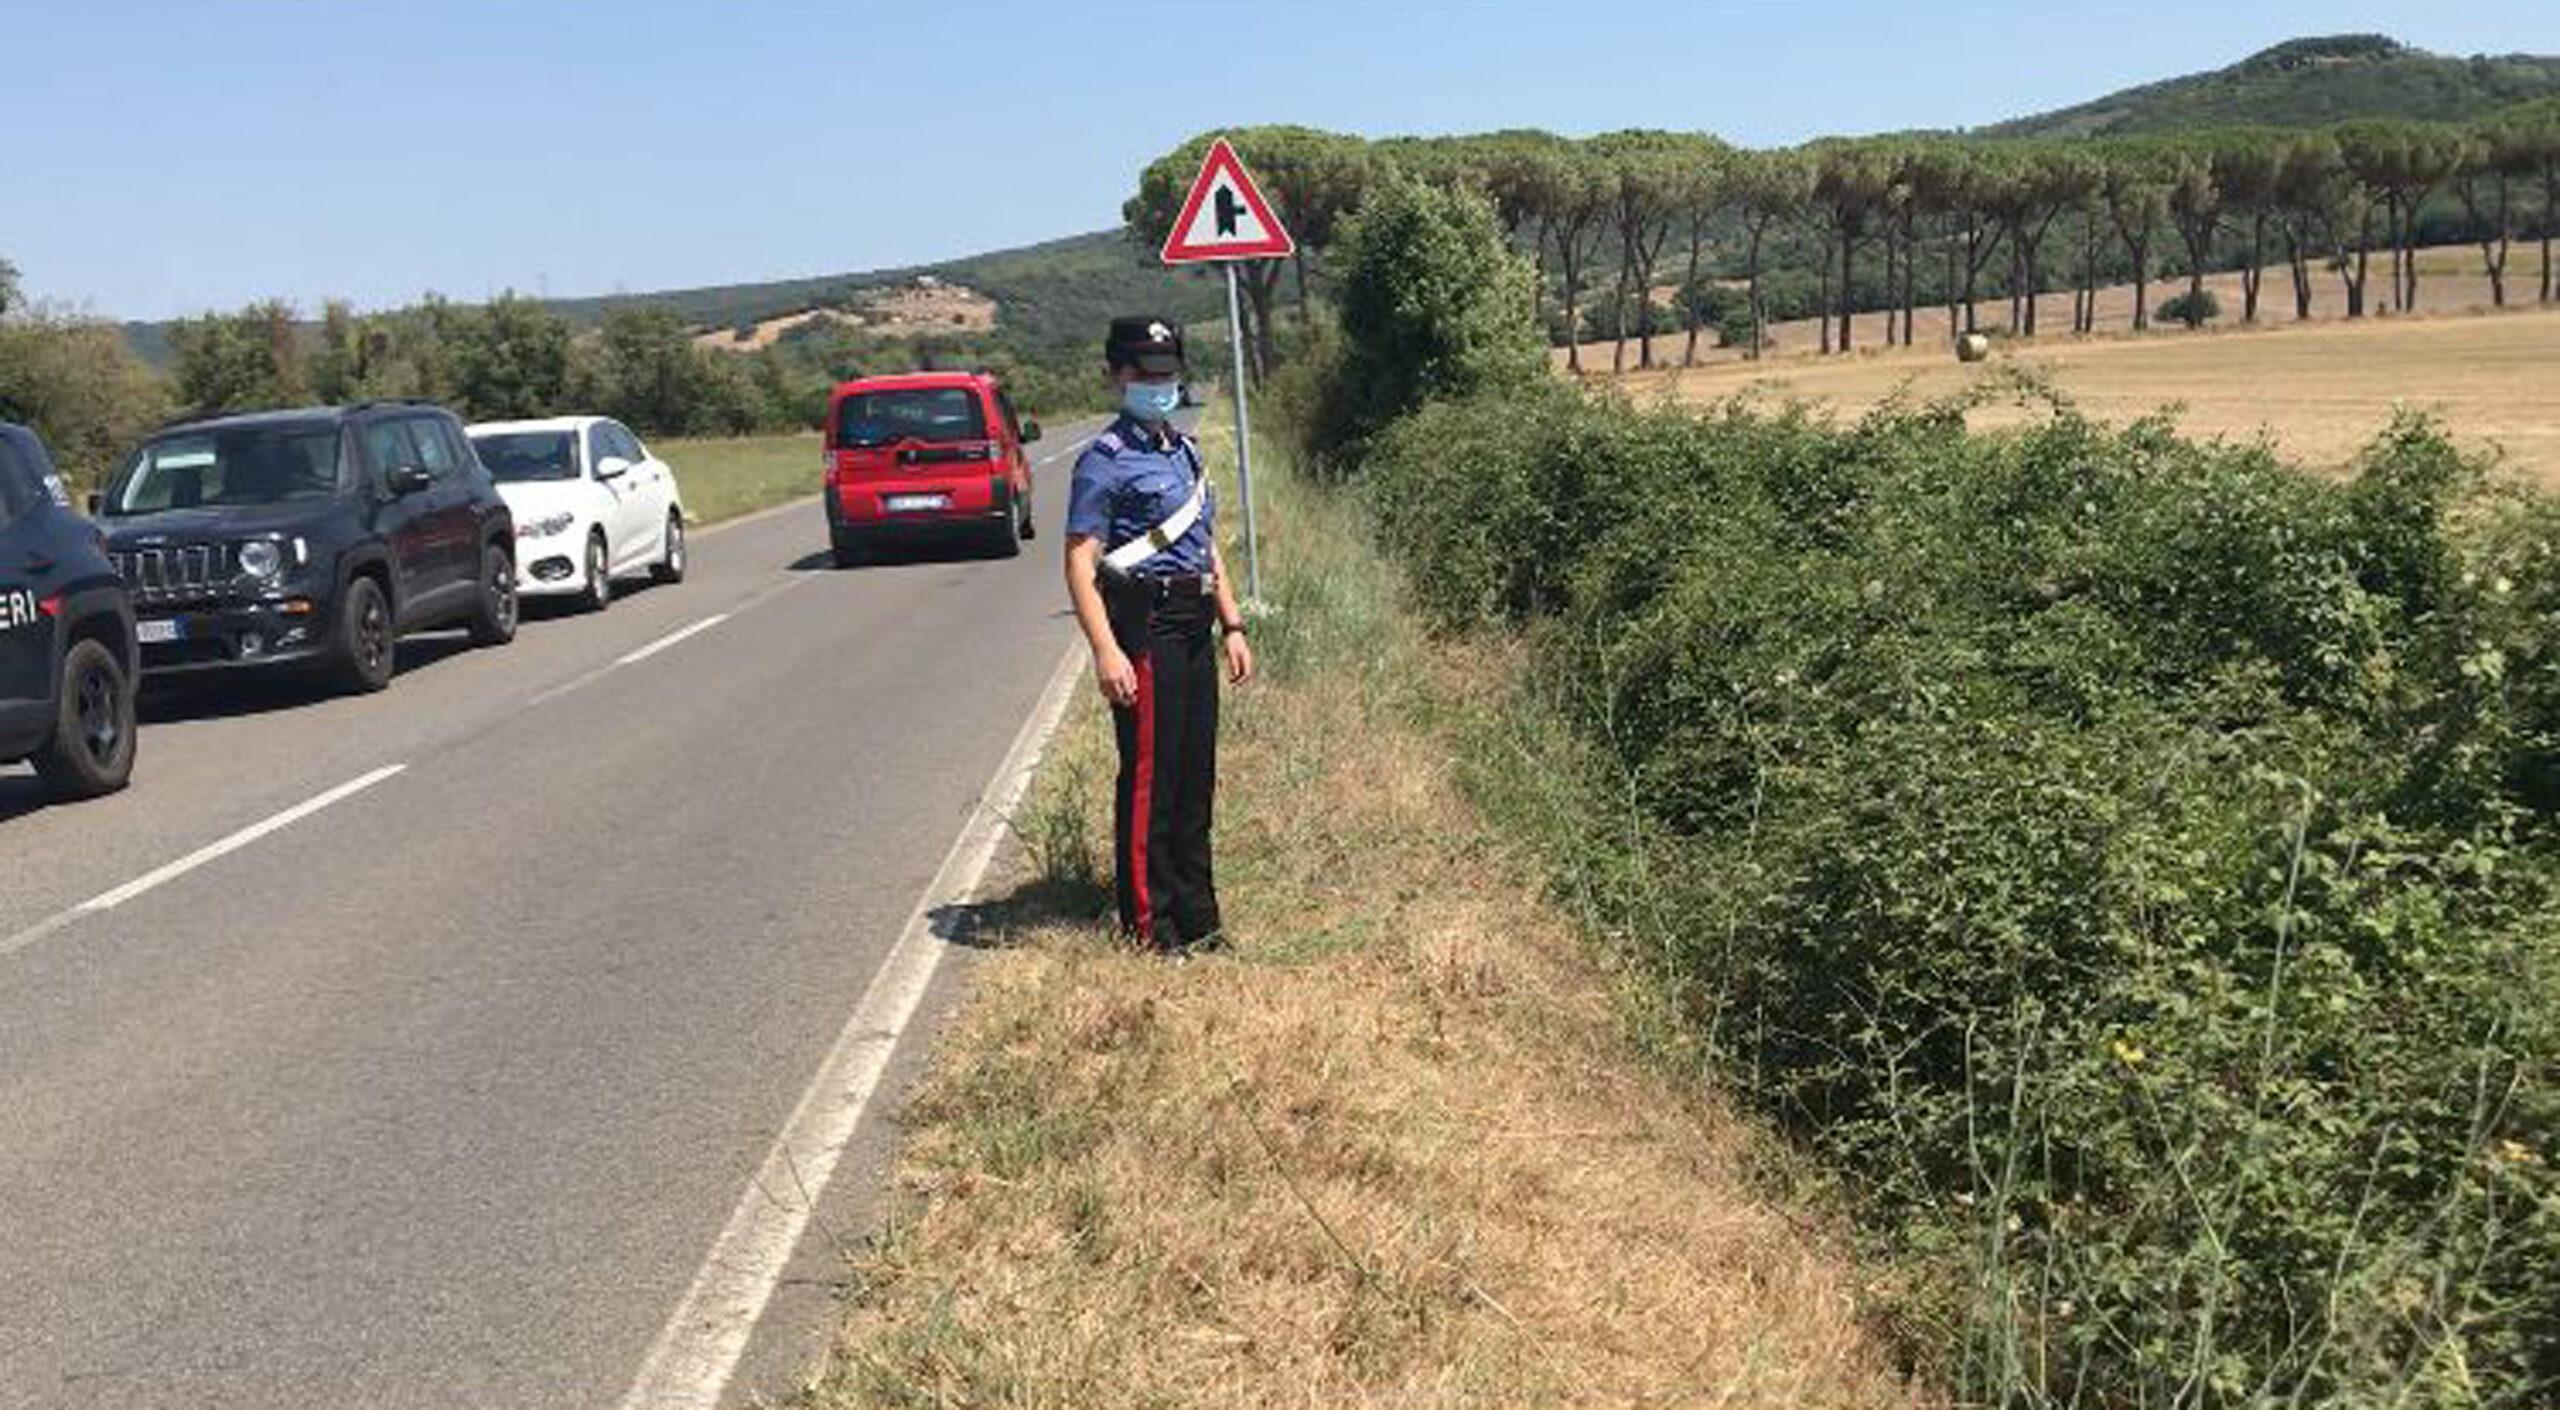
(1109, 443)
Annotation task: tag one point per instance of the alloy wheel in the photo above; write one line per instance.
(101, 723)
(502, 587)
(373, 634)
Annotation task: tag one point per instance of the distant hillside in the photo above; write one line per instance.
(2306, 82)
(1058, 289)
(1053, 292)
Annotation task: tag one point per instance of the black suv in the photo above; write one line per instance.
(66, 633)
(318, 536)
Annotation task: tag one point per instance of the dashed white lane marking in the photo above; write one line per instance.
(690, 1363)
(670, 639)
(587, 678)
(161, 876)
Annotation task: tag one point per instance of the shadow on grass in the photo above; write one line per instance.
(1000, 922)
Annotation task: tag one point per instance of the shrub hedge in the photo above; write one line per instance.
(2130, 861)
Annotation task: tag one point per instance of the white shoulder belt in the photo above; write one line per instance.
(1128, 556)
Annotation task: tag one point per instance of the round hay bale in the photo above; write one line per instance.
(1972, 347)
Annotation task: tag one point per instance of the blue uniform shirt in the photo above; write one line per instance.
(1126, 483)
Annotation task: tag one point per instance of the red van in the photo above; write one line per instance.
(926, 452)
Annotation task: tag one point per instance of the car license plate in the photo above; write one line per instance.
(159, 629)
(916, 503)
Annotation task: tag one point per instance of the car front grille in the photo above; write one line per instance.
(175, 574)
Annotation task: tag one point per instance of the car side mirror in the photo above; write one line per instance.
(612, 467)
(1030, 432)
(408, 479)
(97, 503)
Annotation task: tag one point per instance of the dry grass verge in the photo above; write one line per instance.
(1393, 1149)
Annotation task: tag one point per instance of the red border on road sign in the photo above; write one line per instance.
(1223, 158)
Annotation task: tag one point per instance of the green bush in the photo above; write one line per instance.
(1432, 303)
(2194, 309)
(2130, 861)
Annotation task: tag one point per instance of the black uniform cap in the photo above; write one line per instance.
(1145, 342)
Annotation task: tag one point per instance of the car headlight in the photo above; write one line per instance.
(261, 559)
(546, 528)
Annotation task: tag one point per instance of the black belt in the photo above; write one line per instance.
(1163, 587)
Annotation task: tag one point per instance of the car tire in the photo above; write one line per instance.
(1030, 522)
(1005, 540)
(846, 549)
(364, 658)
(91, 751)
(493, 619)
(669, 569)
(599, 594)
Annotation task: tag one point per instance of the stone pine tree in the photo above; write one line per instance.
(1574, 196)
(2536, 128)
(2311, 206)
(2136, 190)
(1966, 184)
(2245, 163)
(1512, 166)
(2042, 183)
(1850, 184)
(2194, 204)
(1701, 191)
(1769, 190)
(1641, 173)
(1312, 179)
(2497, 156)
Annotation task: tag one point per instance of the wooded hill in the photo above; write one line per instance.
(2305, 83)
(1058, 289)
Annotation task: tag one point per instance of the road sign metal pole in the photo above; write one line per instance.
(1244, 448)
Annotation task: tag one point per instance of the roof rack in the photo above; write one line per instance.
(371, 402)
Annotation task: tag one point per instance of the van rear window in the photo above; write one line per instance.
(935, 415)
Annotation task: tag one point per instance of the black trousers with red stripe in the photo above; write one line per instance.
(1168, 767)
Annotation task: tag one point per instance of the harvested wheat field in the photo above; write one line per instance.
(2319, 391)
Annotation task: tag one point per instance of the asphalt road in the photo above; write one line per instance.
(440, 1094)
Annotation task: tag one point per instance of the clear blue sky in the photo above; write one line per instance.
(166, 158)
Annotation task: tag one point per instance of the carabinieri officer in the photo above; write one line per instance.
(1152, 596)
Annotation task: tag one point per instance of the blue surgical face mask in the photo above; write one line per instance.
(1151, 401)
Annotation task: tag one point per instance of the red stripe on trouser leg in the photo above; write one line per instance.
(1142, 799)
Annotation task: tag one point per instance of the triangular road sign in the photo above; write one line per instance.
(1225, 216)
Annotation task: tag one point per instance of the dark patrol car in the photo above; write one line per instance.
(316, 537)
(67, 663)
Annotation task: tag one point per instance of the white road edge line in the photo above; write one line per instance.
(161, 876)
(670, 639)
(690, 1363)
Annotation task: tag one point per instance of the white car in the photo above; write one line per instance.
(591, 505)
